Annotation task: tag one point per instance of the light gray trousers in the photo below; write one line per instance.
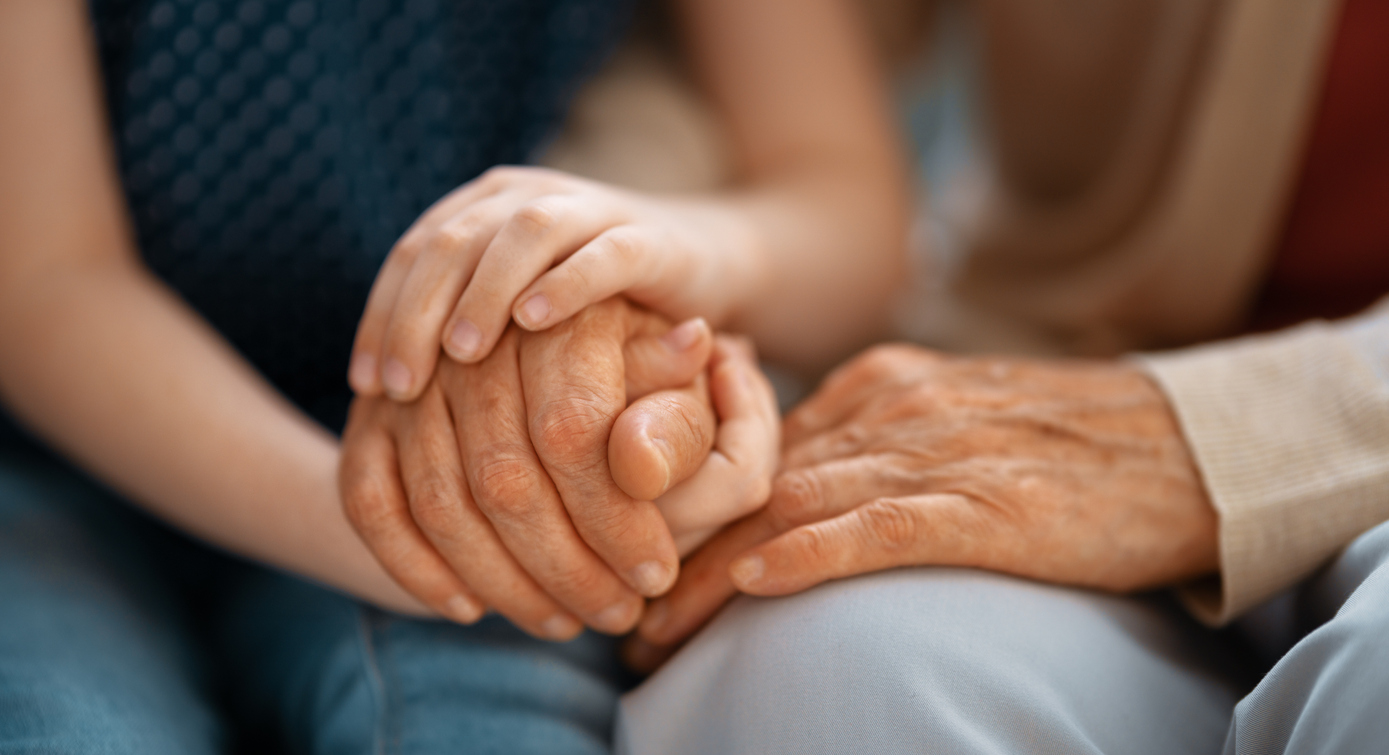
(957, 661)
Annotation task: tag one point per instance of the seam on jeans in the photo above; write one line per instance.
(375, 682)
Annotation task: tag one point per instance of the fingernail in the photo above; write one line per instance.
(465, 339)
(651, 578)
(660, 458)
(747, 570)
(397, 378)
(362, 372)
(655, 619)
(463, 610)
(683, 336)
(614, 618)
(561, 627)
(534, 311)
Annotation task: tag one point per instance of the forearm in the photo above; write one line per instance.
(106, 364)
(823, 255)
(824, 190)
(112, 369)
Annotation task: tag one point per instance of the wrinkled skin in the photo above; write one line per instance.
(524, 483)
(1061, 471)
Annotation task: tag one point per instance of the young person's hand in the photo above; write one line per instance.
(499, 488)
(735, 477)
(536, 246)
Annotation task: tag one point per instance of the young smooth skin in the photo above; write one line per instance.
(1065, 472)
(802, 256)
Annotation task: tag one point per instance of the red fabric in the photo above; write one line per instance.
(1334, 256)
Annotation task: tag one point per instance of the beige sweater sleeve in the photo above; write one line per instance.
(1291, 435)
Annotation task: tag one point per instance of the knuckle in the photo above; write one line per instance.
(817, 545)
(502, 174)
(569, 434)
(453, 238)
(408, 249)
(624, 245)
(797, 497)
(892, 524)
(537, 218)
(369, 510)
(576, 580)
(433, 506)
(612, 532)
(578, 277)
(880, 361)
(505, 485)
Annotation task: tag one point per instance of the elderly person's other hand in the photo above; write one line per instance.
(497, 487)
(1062, 471)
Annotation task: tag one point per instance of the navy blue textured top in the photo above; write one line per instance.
(272, 151)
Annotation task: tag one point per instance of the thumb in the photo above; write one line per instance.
(661, 439)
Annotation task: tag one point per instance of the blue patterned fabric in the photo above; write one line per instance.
(273, 150)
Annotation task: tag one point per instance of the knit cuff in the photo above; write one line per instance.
(1290, 432)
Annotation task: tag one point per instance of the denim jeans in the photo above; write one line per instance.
(118, 635)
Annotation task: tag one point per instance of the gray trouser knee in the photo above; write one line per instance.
(940, 661)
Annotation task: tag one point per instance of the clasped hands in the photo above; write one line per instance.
(558, 481)
(569, 446)
(1067, 472)
(557, 473)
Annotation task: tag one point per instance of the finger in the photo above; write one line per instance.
(620, 259)
(659, 441)
(829, 489)
(883, 534)
(574, 391)
(669, 360)
(364, 372)
(444, 511)
(512, 489)
(847, 389)
(375, 503)
(427, 295)
(704, 585)
(736, 477)
(533, 238)
(447, 207)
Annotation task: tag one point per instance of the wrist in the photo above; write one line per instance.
(316, 540)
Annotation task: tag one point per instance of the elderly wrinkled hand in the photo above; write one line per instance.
(1062, 471)
(524, 483)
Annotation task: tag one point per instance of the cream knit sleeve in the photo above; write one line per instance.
(1291, 435)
